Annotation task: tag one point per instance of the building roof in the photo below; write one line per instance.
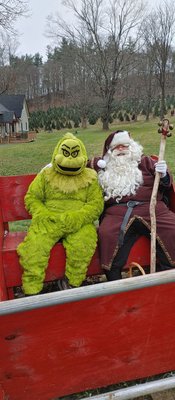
(13, 103)
(2, 109)
(7, 116)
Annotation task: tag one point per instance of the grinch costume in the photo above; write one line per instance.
(65, 200)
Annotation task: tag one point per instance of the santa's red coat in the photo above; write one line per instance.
(113, 216)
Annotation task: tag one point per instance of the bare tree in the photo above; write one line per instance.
(10, 10)
(7, 80)
(8, 47)
(101, 33)
(147, 82)
(158, 32)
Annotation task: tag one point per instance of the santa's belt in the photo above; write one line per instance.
(130, 204)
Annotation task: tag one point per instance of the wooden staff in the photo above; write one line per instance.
(164, 130)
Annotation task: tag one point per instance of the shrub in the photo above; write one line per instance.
(120, 116)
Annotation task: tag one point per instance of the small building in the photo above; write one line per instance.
(14, 116)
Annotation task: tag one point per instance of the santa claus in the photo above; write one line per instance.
(127, 177)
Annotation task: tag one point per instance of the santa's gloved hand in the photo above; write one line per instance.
(161, 167)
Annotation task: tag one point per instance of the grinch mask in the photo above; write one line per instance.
(70, 156)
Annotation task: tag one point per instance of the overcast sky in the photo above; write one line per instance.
(31, 29)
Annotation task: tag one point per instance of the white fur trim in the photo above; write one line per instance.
(46, 166)
(101, 164)
(120, 138)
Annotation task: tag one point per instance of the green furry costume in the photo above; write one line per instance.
(64, 200)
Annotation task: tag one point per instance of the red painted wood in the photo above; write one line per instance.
(59, 350)
(3, 290)
(10, 293)
(2, 394)
(13, 190)
(140, 252)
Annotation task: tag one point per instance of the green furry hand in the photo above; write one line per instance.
(74, 220)
(44, 214)
(67, 222)
(47, 223)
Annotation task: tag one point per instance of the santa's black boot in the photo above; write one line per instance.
(113, 274)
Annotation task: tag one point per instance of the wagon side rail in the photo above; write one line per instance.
(67, 342)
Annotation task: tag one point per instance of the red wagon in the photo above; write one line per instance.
(56, 344)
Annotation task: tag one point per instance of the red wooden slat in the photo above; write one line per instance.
(2, 394)
(3, 290)
(59, 350)
(140, 252)
(13, 190)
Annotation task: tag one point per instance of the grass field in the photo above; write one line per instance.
(25, 158)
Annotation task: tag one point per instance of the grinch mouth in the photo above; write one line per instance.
(69, 169)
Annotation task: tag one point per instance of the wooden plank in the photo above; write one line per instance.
(87, 344)
(3, 289)
(13, 190)
(2, 394)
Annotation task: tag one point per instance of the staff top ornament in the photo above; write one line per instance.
(165, 127)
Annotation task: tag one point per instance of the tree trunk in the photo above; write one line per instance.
(162, 107)
(147, 112)
(105, 117)
(148, 108)
(84, 122)
(105, 124)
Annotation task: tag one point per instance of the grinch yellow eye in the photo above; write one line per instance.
(66, 153)
(74, 154)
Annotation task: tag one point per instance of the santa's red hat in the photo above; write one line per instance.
(113, 140)
(116, 138)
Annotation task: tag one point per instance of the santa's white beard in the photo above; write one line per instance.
(122, 176)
